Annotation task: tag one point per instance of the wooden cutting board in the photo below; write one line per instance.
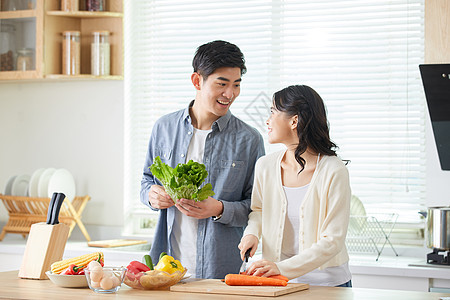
(215, 286)
(115, 243)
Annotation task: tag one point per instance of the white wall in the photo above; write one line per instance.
(73, 125)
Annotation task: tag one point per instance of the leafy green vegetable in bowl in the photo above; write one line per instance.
(184, 181)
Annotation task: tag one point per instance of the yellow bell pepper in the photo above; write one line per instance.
(170, 265)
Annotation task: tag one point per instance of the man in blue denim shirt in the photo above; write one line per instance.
(204, 235)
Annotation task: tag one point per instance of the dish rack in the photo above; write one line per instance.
(25, 211)
(370, 234)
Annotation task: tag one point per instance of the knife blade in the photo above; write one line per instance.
(58, 202)
(50, 208)
(244, 263)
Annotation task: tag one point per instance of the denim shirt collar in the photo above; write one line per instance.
(220, 123)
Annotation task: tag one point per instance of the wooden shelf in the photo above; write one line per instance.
(18, 14)
(48, 23)
(18, 75)
(85, 14)
(83, 77)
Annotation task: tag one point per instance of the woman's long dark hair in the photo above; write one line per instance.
(312, 127)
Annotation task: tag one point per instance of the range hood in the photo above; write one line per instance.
(436, 84)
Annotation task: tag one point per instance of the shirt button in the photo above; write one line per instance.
(189, 133)
(233, 164)
(182, 155)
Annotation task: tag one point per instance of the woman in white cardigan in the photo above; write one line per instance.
(301, 196)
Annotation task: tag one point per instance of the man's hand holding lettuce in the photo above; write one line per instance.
(184, 181)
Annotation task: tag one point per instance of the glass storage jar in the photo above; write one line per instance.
(95, 5)
(7, 47)
(100, 53)
(71, 53)
(25, 59)
(69, 5)
(12, 5)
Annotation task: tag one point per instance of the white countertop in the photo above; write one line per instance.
(403, 266)
(359, 264)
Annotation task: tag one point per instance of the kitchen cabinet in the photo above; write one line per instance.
(398, 273)
(437, 32)
(40, 28)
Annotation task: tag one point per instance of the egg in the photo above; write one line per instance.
(95, 284)
(93, 264)
(96, 273)
(116, 281)
(106, 283)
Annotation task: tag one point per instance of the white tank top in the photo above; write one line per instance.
(294, 196)
(184, 234)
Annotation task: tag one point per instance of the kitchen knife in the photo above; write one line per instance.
(50, 208)
(58, 202)
(244, 264)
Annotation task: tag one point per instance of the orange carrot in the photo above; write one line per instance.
(279, 276)
(239, 279)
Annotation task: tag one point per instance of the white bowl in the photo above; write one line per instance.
(67, 280)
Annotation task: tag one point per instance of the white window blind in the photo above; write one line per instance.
(362, 57)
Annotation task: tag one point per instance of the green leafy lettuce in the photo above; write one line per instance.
(184, 181)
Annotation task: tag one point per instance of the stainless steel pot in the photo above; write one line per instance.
(438, 227)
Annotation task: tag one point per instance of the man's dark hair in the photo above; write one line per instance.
(217, 54)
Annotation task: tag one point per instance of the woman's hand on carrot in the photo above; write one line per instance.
(264, 268)
(247, 242)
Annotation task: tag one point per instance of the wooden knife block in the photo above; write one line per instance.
(45, 245)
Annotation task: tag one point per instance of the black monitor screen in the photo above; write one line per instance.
(436, 84)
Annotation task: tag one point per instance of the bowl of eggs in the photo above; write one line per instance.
(104, 279)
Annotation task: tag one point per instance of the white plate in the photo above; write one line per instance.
(20, 185)
(9, 184)
(67, 280)
(43, 182)
(34, 183)
(357, 207)
(62, 182)
(358, 219)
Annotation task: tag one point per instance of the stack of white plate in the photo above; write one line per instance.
(42, 184)
(17, 185)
